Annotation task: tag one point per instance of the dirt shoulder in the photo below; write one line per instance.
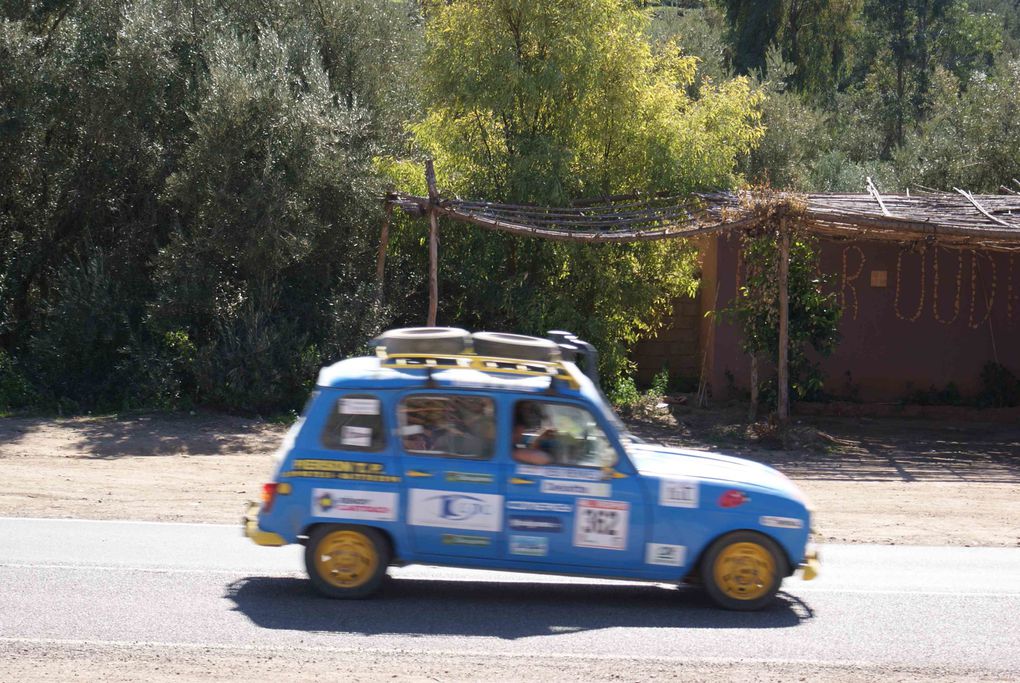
(899, 482)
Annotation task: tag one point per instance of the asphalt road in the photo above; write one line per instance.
(111, 599)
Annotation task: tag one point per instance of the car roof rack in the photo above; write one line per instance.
(430, 362)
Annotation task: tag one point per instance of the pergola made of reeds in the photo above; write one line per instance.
(949, 219)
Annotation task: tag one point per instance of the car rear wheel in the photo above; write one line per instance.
(346, 561)
(743, 571)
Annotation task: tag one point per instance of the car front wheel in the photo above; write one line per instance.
(743, 571)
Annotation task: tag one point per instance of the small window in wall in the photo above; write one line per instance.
(448, 425)
(355, 424)
(548, 433)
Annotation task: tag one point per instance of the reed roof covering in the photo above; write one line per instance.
(950, 218)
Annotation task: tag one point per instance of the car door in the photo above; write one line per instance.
(454, 499)
(584, 506)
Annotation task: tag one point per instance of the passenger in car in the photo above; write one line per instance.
(528, 448)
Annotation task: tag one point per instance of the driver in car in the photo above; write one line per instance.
(532, 444)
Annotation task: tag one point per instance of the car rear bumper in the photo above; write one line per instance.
(250, 528)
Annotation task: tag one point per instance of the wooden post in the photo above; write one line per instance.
(384, 241)
(430, 178)
(752, 410)
(782, 374)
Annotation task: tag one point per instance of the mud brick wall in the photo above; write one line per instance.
(676, 346)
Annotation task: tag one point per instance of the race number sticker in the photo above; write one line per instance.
(356, 436)
(601, 524)
(678, 493)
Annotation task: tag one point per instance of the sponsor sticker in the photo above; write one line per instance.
(455, 510)
(463, 539)
(528, 505)
(549, 525)
(782, 522)
(341, 469)
(678, 493)
(356, 436)
(346, 504)
(531, 546)
(587, 474)
(601, 524)
(575, 488)
(469, 477)
(358, 406)
(665, 554)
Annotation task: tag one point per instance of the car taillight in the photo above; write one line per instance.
(268, 496)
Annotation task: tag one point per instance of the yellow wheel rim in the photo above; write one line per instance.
(744, 571)
(346, 559)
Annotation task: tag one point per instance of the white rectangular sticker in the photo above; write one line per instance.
(782, 522)
(531, 546)
(359, 406)
(601, 524)
(678, 493)
(347, 504)
(360, 437)
(575, 488)
(664, 554)
(586, 474)
(537, 506)
(456, 510)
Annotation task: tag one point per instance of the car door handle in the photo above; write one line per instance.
(521, 482)
(417, 473)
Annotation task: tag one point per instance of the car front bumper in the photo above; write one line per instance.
(811, 565)
(250, 528)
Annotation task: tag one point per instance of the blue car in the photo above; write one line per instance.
(497, 451)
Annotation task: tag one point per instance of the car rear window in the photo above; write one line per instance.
(355, 423)
(448, 425)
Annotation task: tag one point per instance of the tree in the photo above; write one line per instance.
(970, 138)
(531, 101)
(815, 36)
(813, 314)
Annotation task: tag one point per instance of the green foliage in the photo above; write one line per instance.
(970, 139)
(1000, 388)
(15, 389)
(795, 133)
(949, 395)
(815, 36)
(542, 103)
(623, 392)
(660, 383)
(813, 314)
(190, 208)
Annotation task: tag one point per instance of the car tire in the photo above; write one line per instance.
(516, 346)
(439, 340)
(346, 561)
(743, 571)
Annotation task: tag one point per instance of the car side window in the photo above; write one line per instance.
(448, 425)
(549, 433)
(355, 423)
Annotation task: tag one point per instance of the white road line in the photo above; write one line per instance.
(318, 649)
(868, 591)
(154, 570)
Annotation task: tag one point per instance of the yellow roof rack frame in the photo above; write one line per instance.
(504, 366)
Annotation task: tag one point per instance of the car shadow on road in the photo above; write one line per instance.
(501, 610)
